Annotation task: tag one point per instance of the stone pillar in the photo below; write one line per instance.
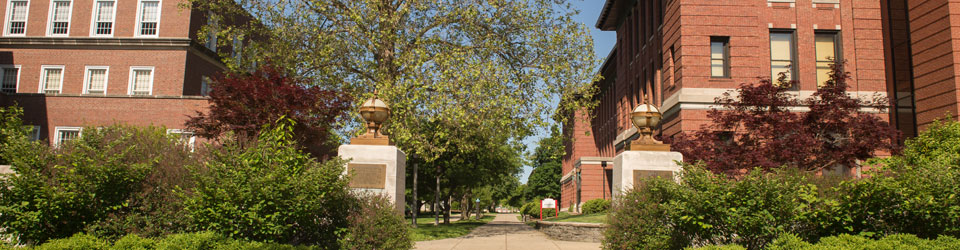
(630, 167)
(379, 169)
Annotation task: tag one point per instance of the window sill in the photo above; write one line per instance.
(720, 79)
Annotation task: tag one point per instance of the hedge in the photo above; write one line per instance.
(596, 206)
(852, 242)
(188, 241)
(914, 193)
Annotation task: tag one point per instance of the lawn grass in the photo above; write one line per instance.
(585, 218)
(426, 231)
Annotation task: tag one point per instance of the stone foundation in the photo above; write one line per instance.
(572, 231)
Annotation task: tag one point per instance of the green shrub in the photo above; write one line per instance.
(596, 206)
(851, 242)
(376, 225)
(107, 175)
(913, 193)
(270, 191)
(910, 194)
(186, 241)
(527, 209)
(76, 242)
(638, 220)
(134, 242)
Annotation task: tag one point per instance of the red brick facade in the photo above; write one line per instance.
(663, 55)
(178, 63)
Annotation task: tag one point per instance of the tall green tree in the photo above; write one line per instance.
(544, 181)
(451, 71)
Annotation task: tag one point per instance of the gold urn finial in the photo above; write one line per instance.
(646, 117)
(375, 112)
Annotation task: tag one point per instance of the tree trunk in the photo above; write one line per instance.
(446, 210)
(415, 208)
(436, 200)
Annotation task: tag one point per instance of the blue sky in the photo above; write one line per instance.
(602, 42)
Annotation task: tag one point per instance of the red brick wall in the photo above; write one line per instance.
(168, 72)
(933, 26)
(593, 182)
(748, 24)
(174, 20)
(51, 111)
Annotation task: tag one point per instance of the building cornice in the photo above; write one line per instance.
(612, 13)
(113, 43)
(95, 43)
(108, 96)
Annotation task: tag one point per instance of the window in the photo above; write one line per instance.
(205, 86)
(95, 81)
(51, 79)
(33, 132)
(17, 11)
(9, 79)
(60, 17)
(104, 12)
(148, 18)
(237, 49)
(66, 134)
(720, 56)
(827, 54)
(187, 138)
(782, 50)
(212, 26)
(141, 81)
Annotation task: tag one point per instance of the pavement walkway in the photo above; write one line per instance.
(504, 232)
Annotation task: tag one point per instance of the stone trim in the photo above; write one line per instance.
(95, 42)
(703, 99)
(111, 96)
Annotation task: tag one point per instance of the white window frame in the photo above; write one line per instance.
(6, 24)
(93, 19)
(204, 86)
(35, 134)
(43, 82)
(153, 74)
(86, 78)
(190, 142)
(50, 18)
(19, 70)
(213, 26)
(136, 29)
(56, 134)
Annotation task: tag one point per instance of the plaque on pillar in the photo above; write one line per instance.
(374, 164)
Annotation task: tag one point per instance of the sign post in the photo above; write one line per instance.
(548, 203)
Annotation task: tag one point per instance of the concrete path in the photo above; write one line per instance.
(504, 232)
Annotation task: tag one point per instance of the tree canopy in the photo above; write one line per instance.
(446, 68)
(544, 180)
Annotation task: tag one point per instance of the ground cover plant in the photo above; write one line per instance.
(582, 218)
(425, 229)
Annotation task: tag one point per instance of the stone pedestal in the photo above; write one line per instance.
(377, 169)
(631, 167)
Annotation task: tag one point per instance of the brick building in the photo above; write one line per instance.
(681, 54)
(88, 63)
